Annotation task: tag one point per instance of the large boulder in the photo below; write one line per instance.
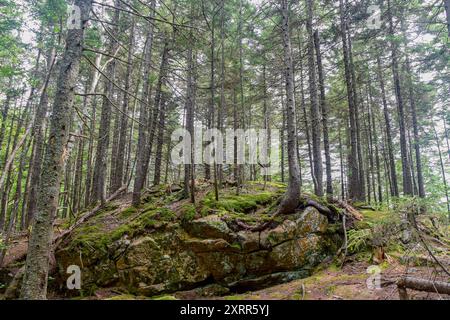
(206, 251)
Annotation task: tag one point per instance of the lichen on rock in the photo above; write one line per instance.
(152, 252)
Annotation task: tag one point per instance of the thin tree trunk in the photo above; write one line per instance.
(305, 116)
(119, 165)
(407, 183)
(142, 146)
(441, 162)
(412, 101)
(324, 108)
(353, 170)
(101, 154)
(158, 109)
(189, 177)
(38, 142)
(387, 120)
(315, 113)
(292, 196)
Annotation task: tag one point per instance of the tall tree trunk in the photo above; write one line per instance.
(359, 145)
(160, 139)
(101, 154)
(315, 113)
(292, 196)
(376, 144)
(222, 107)
(353, 169)
(189, 178)
(95, 74)
(142, 146)
(159, 109)
(441, 162)
(412, 101)
(324, 108)
(407, 182)
(38, 141)
(39, 248)
(305, 115)
(119, 166)
(387, 120)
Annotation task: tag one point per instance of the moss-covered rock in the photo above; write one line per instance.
(152, 253)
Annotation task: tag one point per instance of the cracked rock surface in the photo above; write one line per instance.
(205, 251)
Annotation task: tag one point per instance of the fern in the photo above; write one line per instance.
(358, 239)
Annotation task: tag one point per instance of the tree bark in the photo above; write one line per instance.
(324, 108)
(37, 264)
(38, 142)
(189, 177)
(421, 285)
(291, 198)
(101, 154)
(353, 169)
(315, 114)
(142, 146)
(119, 166)
(387, 120)
(407, 182)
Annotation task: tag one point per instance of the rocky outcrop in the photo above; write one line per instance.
(183, 256)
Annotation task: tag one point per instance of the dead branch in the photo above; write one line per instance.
(351, 210)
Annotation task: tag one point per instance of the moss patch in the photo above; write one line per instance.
(238, 203)
(95, 237)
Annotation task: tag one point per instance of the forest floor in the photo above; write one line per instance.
(328, 282)
(332, 283)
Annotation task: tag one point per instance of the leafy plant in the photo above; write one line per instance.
(358, 240)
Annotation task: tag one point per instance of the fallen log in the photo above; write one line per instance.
(350, 210)
(421, 285)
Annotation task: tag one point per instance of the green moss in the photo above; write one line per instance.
(65, 225)
(359, 204)
(236, 245)
(188, 212)
(374, 216)
(128, 212)
(90, 237)
(238, 203)
(94, 237)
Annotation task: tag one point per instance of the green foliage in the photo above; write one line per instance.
(238, 203)
(358, 240)
(128, 212)
(188, 212)
(94, 237)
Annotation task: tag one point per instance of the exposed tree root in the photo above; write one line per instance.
(329, 211)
